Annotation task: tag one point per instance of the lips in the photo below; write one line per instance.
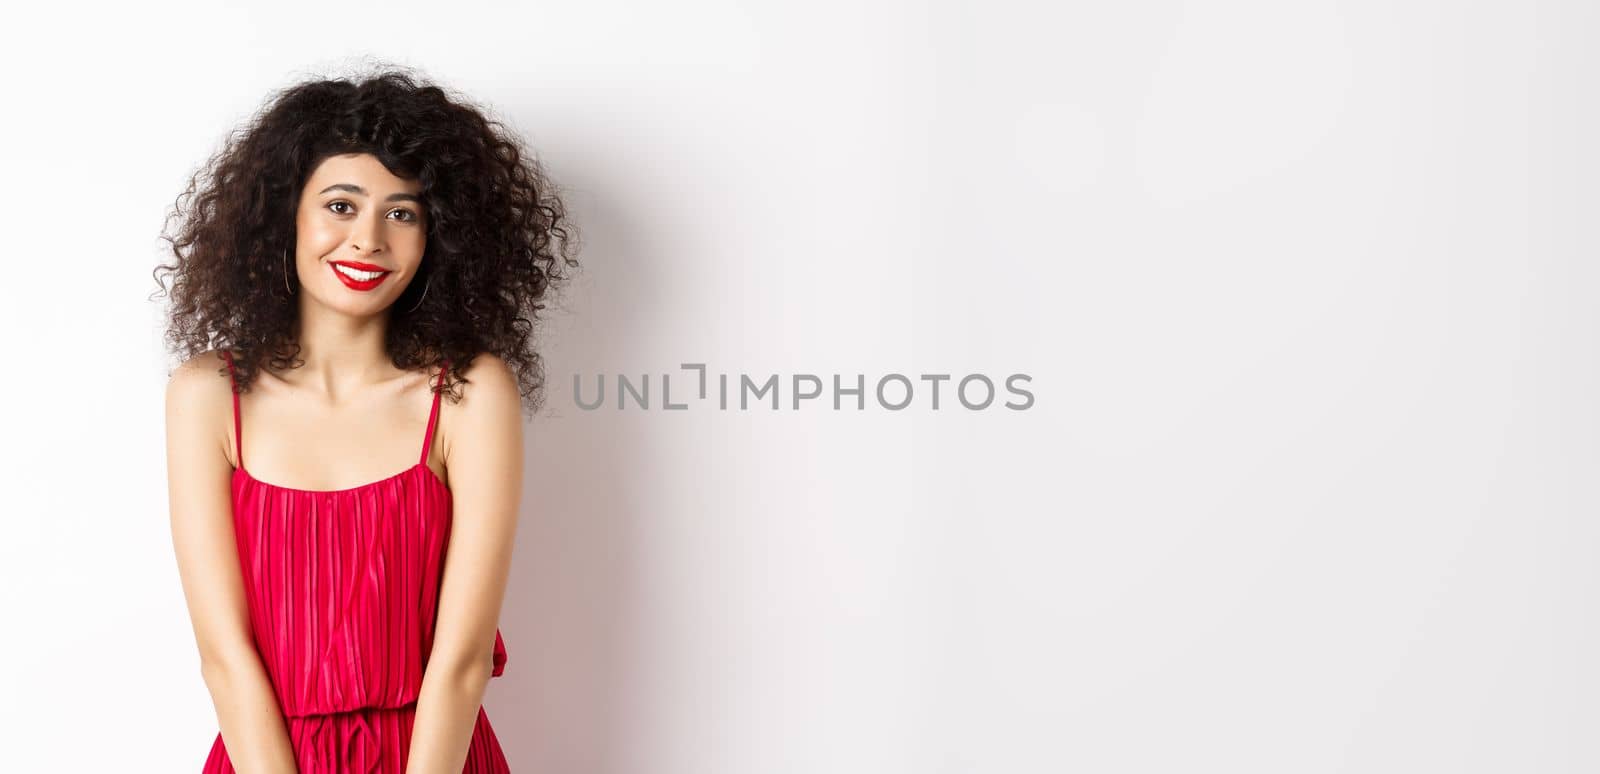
(359, 284)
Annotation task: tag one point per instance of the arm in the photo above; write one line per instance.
(483, 448)
(198, 490)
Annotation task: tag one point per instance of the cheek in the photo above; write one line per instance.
(414, 251)
(317, 240)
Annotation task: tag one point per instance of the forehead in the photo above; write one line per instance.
(362, 169)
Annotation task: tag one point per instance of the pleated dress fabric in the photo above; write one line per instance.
(343, 591)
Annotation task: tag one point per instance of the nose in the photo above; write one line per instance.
(366, 236)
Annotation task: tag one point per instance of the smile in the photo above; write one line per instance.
(358, 279)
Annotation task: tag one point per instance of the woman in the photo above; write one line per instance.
(354, 254)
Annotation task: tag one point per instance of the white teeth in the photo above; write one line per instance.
(357, 274)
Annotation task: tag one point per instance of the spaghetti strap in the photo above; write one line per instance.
(433, 416)
(233, 384)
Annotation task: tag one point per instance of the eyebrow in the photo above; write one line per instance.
(356, 189)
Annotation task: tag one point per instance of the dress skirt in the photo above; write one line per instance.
(366, 741)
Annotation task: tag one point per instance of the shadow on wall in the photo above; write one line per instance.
(570, 615)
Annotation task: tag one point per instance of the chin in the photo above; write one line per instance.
(340, 302)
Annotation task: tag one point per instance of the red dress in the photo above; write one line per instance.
(343, 590)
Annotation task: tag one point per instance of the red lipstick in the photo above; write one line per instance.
(359, 284)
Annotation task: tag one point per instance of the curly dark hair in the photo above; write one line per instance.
(498, 236)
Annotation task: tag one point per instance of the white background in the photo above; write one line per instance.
(1306, 291)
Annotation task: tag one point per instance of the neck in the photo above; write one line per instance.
(342, 354)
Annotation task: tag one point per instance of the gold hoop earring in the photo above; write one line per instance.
(286, 271)
(425, 286)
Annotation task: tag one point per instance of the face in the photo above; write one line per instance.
(359, 234)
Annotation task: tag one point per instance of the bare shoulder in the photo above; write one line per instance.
(489, 412)
(490, 384)
(198, 403)
(199, 381)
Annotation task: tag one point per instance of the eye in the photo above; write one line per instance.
(409, 215)
(337, 202)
